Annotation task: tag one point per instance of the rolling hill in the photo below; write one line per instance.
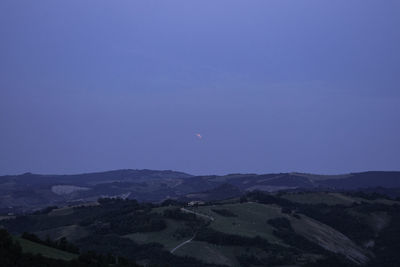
(46, 251)
(257, 229)
(28, 192)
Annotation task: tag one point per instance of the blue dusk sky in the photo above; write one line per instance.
(204, 87)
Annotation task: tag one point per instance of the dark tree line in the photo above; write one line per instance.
(154, 253)
(61, 244)
(11, 255)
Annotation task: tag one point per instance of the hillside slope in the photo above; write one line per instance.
(28, 192)
(259, 229)
(46, 251)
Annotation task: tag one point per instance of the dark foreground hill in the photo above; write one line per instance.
(20, 252)
(257, 229)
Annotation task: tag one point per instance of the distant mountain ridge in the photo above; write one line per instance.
(26, 192)
(95, 177)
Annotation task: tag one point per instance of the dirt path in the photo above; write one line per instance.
(188, 241)
(182, 244)
(199, 214)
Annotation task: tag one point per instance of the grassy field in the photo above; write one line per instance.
(35, 248)
(251, 219)
(161, 209)
(248, 219)
(71, 232)
(328, 238)
(164, 237)
(210, 253)
(62, 211)
(332, 199)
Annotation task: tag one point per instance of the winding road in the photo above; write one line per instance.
(182, 244)
(199, 214)
(188, 241)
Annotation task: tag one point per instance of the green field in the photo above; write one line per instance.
(210, 253)
(224, 232)
(331, 199)
(35, 248)
(251, 219)
(62, 211)
(71, 232)
(164, 237)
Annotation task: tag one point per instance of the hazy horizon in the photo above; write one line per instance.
(203, 87)
(198, 174)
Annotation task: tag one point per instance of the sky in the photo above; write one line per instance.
(204, 87)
